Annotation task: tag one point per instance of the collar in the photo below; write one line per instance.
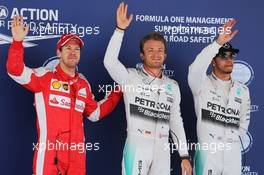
(66, 77)
(217, 79)
(148, 74)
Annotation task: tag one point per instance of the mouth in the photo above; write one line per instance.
(156, 59)
(72, 58)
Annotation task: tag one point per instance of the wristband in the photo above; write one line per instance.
(120, 28)
(186, 158)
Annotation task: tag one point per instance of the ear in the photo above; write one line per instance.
(58, 53)
(165, 56)
(142, 56)
(213, 62)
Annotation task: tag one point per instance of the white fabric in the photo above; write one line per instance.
(152, 109)
(223, 114)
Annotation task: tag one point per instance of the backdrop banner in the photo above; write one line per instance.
(188, 26)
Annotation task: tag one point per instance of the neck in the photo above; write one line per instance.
(155, 72)
(67, 70)
(222, 76)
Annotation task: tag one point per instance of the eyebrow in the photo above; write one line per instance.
(158, 48)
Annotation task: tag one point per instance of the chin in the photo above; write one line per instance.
(72, 65)
(157, 65)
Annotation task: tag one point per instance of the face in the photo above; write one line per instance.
(70, 54)
(224, 64)
(154, 54)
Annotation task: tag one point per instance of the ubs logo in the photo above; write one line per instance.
(246, 143)
(243, 72)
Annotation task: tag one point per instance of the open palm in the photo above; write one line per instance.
(19, 30)
(227, 34)
(121, 16)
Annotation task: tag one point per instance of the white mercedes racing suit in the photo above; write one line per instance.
(152, 110)
(221, 118)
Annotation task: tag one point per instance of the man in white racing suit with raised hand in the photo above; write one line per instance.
(222, 107)
(152, 102)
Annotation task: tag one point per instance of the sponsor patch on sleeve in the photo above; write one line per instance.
(79, 105)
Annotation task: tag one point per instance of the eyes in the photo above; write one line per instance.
(226, 56)
(70, 48)
(152, 50)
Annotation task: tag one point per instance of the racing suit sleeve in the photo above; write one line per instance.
(17, 70)
(114, 67)
(176, 125)
(98, 110)
(197, 70)
(245, 115)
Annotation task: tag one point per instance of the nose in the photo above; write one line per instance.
(73, 52)
(156, 53)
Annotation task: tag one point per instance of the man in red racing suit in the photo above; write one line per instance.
(62, 97)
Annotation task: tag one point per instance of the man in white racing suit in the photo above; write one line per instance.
(222, 107)
(152, 102)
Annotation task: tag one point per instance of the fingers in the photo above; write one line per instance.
(119, 10)
(18, 21)
(125, 10)
(230, 24)
(15, 21)
(18, 24)
(122, 20)
(21, 19)
(26, 28)
(122, 8)
(130, 18)
(227, 34)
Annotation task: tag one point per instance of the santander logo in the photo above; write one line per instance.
(54, 101)
(60, 101)
(65, 103)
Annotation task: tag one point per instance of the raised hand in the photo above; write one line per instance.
(227, 34)
(19, 30)
(121, 16)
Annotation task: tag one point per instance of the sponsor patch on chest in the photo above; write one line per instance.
(60, 86)
(238, 100)
(59, 101)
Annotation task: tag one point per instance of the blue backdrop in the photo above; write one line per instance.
(95, 21)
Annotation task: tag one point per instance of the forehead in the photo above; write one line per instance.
(153, 43)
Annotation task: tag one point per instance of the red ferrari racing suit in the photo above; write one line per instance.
(60, 101)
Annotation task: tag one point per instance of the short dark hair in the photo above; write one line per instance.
(152, 36)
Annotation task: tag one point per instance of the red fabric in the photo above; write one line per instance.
(65, 100)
